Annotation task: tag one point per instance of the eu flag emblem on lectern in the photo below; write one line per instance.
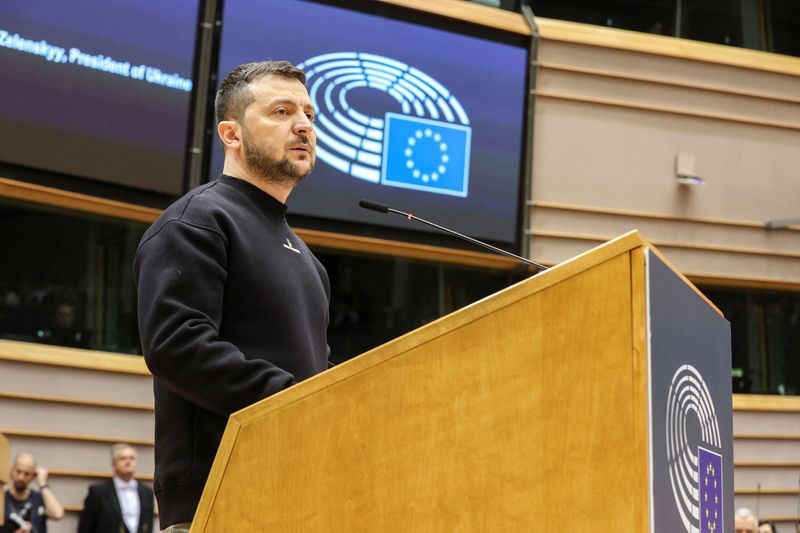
(426, 155)
(710, 478)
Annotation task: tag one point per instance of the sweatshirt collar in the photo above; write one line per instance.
(262, 199)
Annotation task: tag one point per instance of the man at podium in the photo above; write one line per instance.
(233, 306)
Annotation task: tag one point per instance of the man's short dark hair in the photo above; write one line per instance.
(234, 93)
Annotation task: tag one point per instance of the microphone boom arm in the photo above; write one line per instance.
(382, 208)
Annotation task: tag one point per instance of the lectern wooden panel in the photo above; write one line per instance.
(527, 408)
(5, 465)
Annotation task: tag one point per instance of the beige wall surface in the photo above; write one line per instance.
(625, 158)
(610, 123)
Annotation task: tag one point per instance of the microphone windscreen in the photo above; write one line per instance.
(374, 206)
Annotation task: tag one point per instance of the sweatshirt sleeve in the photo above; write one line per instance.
(180, 273)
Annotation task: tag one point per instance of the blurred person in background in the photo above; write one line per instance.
(27, 510)
(120, 503)
(745, 521)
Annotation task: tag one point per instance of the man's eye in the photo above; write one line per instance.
(281, 111)
(310, 116)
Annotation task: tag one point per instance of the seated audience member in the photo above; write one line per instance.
(745, 521)
(120, 503)
(766, 527)
(65, 330)
(27, 510)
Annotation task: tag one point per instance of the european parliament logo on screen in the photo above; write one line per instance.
(426, 147)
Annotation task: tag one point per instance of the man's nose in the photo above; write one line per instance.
(302, 126)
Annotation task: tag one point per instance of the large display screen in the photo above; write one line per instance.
(98, 88)
(421, 118)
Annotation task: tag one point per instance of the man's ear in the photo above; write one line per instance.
(229, 133)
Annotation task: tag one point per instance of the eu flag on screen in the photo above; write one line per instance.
(710, 477)
(426, 155)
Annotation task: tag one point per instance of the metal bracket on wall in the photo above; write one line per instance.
(533, 67)
(208, 30)
(782, 224)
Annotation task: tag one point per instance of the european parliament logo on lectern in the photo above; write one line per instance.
(698, 496)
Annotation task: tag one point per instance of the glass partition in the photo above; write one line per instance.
(66, 278)
(772, 26)
(765, 338)
(375, 299)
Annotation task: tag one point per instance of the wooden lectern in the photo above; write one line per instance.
(5, 467)
(524, 409)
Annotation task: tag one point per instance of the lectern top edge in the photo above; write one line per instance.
(686, 280)
(567, 269)
(623, 244)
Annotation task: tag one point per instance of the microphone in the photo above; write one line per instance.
(374, 206)
(383, 208)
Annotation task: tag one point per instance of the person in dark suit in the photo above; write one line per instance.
(120, 504)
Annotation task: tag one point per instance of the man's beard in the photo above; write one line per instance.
(267, 168)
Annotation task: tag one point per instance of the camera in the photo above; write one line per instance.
(20, 518)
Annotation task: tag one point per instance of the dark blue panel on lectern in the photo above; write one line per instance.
(691, 421)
